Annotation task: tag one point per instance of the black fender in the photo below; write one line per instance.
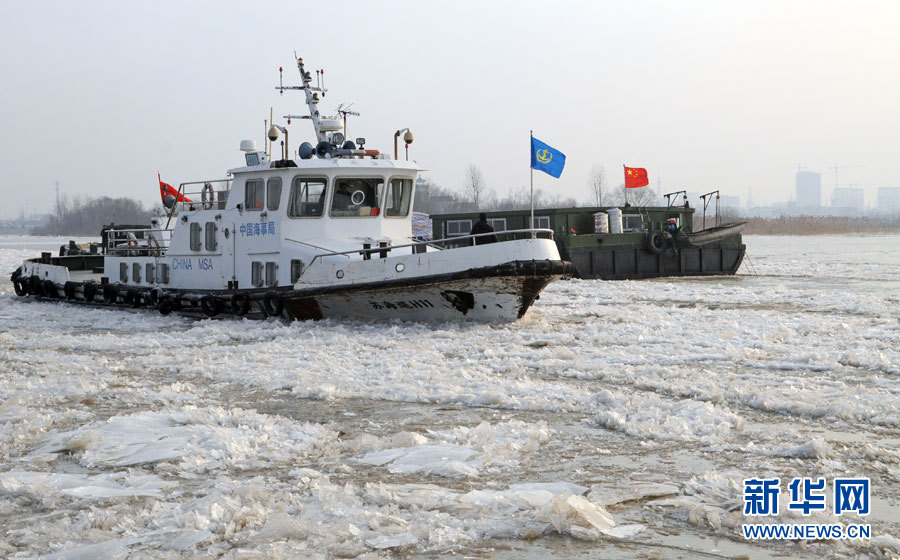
(656, 242)
(273, 304)
(110, 293)
(240, 304)
(49, 289)
(211, 305)
(69, 289)
(90, 291)
(34, 285)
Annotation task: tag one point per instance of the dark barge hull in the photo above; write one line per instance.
(628, 256)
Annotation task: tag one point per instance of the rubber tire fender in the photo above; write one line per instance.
(110, 294)
(49, 289)
(656, 242)
(240, 304)
(168, 304)
(69, 289)
(20, 285)
(137, 299)
(211, 305)
(90, 291)
(273, 304)
(34, 285)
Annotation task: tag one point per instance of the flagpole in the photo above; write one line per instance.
(531, 150)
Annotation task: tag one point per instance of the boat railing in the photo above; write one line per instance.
(211, 194)
(137, 242)
(382, 248)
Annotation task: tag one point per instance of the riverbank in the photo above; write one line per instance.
(815, 225)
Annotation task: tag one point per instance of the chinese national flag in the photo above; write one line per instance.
(165, 188)
(636, 177)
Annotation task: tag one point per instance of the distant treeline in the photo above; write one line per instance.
(86, 216)
(816, 225)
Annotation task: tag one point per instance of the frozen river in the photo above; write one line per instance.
(616, 420)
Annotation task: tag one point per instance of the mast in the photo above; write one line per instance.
(312, 98)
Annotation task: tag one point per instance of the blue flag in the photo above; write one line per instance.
(544, 158)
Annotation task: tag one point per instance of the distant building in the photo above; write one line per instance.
(809, 189)
(889, 199)
(848, 197)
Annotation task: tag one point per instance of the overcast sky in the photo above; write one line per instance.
(704, 94)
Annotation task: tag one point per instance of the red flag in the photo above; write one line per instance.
(636, 177)
(165, 188)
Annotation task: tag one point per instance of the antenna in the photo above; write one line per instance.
(343, 112)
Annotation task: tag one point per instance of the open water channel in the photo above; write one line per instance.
(616, 420)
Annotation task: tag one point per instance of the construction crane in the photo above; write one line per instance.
(835, 168)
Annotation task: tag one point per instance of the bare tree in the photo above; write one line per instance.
(641, 196)
(474, 185)
(597, 184)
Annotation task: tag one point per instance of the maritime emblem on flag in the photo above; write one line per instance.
(544, 156)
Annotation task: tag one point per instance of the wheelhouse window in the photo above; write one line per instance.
(542, 222)
(273, 193)
(356, 196)
(254, 191)
(456, 228)
(499, 224)
(307, 197)
(398, 197)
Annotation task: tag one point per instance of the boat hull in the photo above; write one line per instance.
(496, 293)
(620, 257)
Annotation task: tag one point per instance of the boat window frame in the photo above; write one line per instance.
(412, 191)
(468, 231)
(268, 203)
(325, 196)
(492, 222)
(262, 185)
(536, 222)
(626, 218)
(379, 197)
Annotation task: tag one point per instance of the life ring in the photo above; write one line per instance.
(240, 304)
(110, 293)
(656, 242)
(208, 196)
(358, 197)
(49, 289)
(210, 305)
(273, 304)
(90, 291)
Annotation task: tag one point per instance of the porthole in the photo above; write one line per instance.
(400, 267)
(340, 274)
(226, 233)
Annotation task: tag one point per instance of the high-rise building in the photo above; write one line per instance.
(889, 199)
(809, 189)
(848, 197)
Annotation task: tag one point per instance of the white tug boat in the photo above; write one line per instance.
(327, 235)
